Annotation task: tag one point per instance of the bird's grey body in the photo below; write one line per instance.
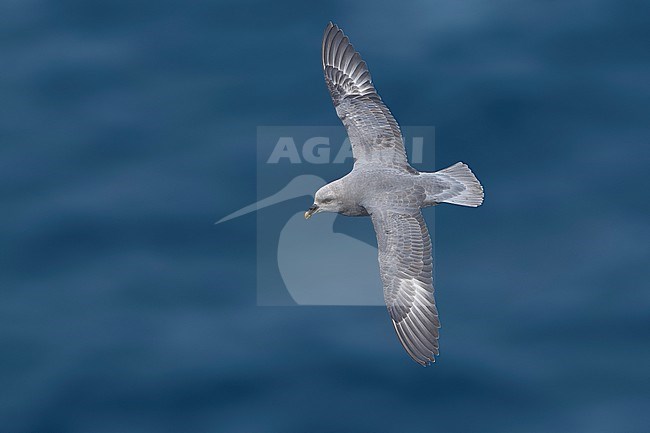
(385, 187)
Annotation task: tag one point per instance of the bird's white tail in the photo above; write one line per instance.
(459, 186)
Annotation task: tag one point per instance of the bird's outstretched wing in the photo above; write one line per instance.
(374, 134)
(406, 266)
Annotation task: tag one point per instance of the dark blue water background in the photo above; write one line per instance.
(128, 127)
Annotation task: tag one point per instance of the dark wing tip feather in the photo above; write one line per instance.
(422, 349)
(345, 71)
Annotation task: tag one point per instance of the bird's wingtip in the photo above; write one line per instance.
(332, 26)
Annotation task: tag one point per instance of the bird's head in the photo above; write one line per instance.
(326, 200)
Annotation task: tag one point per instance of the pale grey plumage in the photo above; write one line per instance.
(374, 133)
(383, 185)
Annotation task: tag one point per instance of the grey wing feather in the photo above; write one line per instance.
(406, 268)
(374, 134)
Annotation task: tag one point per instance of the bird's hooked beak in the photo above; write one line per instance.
(312, 210)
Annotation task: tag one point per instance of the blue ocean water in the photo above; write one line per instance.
(129, 127)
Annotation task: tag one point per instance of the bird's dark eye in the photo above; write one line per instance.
(327, 200)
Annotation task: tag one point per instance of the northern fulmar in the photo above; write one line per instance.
(385, 187)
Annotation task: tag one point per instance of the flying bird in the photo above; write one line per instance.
(385, 187)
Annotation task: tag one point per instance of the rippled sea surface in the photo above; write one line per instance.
(129, 127)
